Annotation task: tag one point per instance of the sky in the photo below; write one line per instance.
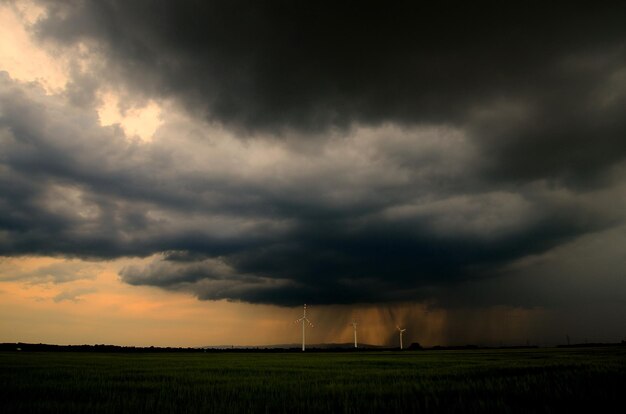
(190, 173)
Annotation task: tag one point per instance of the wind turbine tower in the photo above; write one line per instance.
(354, 324)
(401, 332)
(304, 321)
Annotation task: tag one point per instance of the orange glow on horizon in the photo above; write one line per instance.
(100, 308)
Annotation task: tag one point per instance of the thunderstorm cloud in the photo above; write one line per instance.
(327, 152)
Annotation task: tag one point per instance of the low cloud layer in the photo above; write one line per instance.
(320, 154)
(56, 273)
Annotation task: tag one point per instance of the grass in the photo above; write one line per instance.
(524, 380)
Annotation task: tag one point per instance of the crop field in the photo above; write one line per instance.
(523, 380)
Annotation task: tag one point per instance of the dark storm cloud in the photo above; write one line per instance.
(422, 147)
(384, 222)
(278, 65)
(341, 262)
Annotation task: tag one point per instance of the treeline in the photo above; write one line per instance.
(592, 345)
(25, 347)
(20, 346)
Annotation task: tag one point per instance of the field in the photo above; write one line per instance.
(524, 380)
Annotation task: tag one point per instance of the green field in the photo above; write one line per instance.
(525, 380)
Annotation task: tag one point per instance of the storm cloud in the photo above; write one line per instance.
(323, 153)
(542, 85)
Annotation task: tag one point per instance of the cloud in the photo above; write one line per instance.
(375, 214)
(74, 295)
(540, 87)
(393, 155)
(57, 273)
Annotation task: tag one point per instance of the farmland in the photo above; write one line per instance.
(523, 380)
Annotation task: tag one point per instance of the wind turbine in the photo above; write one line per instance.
(304, 319)
(354, 324)
(401, 332)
